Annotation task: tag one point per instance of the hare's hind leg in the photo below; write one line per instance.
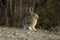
(25, 27)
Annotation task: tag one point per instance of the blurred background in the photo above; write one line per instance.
(12, 12)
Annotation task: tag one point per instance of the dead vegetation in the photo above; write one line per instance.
(8, 33)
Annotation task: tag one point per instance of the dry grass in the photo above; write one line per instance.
(8, 33)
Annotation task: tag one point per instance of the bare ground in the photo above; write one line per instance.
(9, 33)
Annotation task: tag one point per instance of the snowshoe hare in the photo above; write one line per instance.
(30, 21)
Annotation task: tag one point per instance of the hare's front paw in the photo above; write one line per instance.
(30, 28)
(34, 29)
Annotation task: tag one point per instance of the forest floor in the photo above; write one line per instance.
(12, 33)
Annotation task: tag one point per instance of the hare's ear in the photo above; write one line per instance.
(31, 10)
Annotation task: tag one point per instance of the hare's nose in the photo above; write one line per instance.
(37, 16)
